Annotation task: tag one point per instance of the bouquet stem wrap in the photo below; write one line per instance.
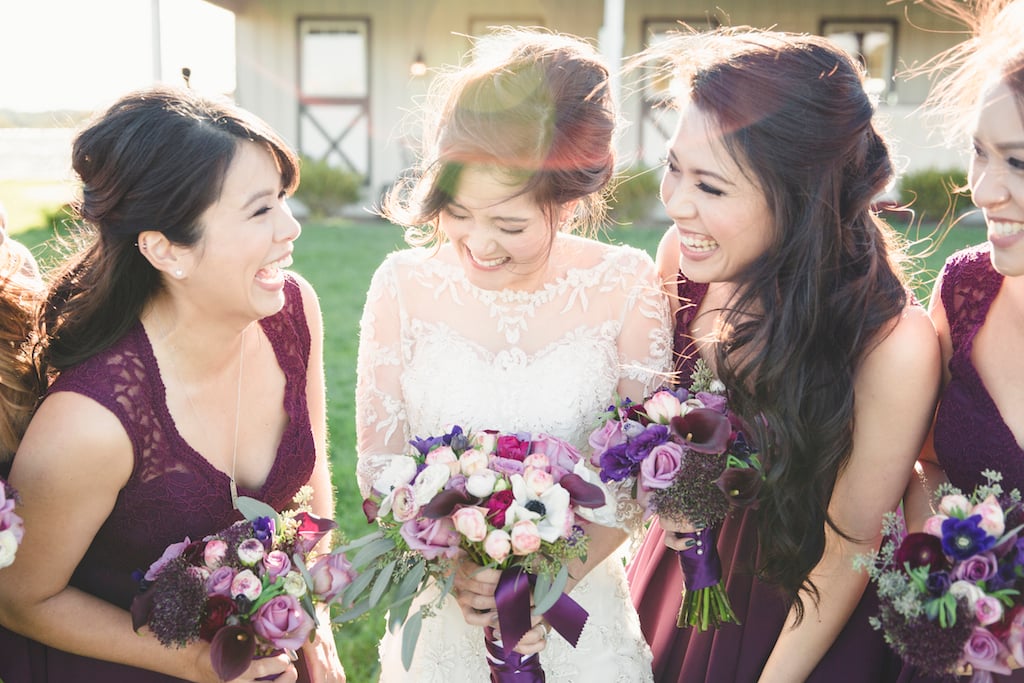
(705, 602)
(513, 597)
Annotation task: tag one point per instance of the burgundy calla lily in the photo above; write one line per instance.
(919, 550)
(142, 609)
(702, 430)
(740, 485)
(311, 529)
(370, 509)
(231, 651)
(582, 492)
(445, 502)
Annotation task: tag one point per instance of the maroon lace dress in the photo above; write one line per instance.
(736, 653)
(173, 491)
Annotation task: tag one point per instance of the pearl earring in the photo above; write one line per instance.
(179, 273)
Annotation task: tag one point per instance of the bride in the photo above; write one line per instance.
(501, 318)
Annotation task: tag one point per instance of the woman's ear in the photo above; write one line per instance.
(164, 255)
(566, 211)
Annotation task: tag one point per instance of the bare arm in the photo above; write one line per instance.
(895, 391)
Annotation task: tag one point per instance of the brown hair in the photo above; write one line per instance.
(531, 104)
(21, 382)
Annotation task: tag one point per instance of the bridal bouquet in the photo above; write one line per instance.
(687, 458)
(950, 595)
(509, 502)
(248, 590)
(11, 527)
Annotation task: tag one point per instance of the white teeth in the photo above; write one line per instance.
(698, 243)
(271, 270)
(1005, 229)
(489, 264)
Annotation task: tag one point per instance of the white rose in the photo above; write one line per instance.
(8, 547)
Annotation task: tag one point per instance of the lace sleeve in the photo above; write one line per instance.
(380, 408)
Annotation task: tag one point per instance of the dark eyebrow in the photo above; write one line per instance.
(1003, 147)
(506, 219)
(700, 171)
(257, 196)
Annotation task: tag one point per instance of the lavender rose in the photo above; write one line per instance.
(331, 575)
(431, 537)
(283, 622)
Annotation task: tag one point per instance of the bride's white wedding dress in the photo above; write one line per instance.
(435, 350)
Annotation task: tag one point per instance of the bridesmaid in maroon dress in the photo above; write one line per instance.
(785, 285)
(190, 367)
(978, 301)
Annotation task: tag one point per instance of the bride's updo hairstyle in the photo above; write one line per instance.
(155, 160)
(796, 119)
(529, 104)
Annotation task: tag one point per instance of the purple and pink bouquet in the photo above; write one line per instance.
(511, 502)
(249, 590)
(950, 594)
(11, 527)
(686, 457)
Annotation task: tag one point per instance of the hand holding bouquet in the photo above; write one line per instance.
(950, 595)
(248, 590)
(687, 459)
(11, 527)
(509, 502)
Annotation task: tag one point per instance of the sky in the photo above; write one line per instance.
(83, 54)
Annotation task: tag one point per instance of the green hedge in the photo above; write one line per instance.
(930, 193)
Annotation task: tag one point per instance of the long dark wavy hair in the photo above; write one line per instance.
(796, 118)
(155, 160)
(533, 104)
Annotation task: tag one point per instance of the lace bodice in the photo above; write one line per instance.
(970, 434)
(436, 350)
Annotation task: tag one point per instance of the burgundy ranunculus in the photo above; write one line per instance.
(702, 430)
(919, 550)
(513, 448)
(496, 506)
(218, 609)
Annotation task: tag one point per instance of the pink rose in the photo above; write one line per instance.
(498, 545)
(561, 454)
(220, 581)
(525, 537)
(246, 584)
(992, 520)
(988, 610)
(470, 522)
(485, 441)
(214, 553)
(444, 455)
(608, 435)
(954, 506)
(537, 481)
(170, 552)
(662, 407)
(473, 462)
(984, 651)
(331, 575)
(537, 461)
(277, 564)
(658, 469)
(431, 537)
(283, 622)
(250, 551)
(933, 525)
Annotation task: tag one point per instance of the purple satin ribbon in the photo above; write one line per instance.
(700, 563)
(513, 598)
(511, 667)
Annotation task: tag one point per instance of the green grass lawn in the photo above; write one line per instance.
(339, 258)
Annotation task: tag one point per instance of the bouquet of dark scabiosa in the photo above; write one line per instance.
(509, 501)
(12, 529)
(687, 458)
(249, 590)
(950, 595)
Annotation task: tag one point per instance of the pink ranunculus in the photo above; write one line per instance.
(170, 552)
(277, 564)
(610, 434)
(984, 651)
(498, 545)
(658, 470)
(484, 441)
(403, 503)
(250, 551)
(525, 537)
(1015, 636)
(538, 461)
(933, 525)
(992, 519)
(220, 581)
(246, 584)
(976, 568)
(662, 407)
(473, 461)
(331, 575)
(537, 481)
(444, 455)
(214, 553)
(955, 506)
(988, 610)
(283, 622)
(431, 537)
(470, 522)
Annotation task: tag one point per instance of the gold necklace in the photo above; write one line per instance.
(232, 486)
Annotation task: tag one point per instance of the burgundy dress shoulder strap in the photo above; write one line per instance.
(691, 294)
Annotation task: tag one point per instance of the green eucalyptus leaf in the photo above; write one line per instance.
(360, 542)
(356, 588)
(371, 551)
(357, 610)
(411, 634)
(253, 509)
(555, 587)
(382, 582)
